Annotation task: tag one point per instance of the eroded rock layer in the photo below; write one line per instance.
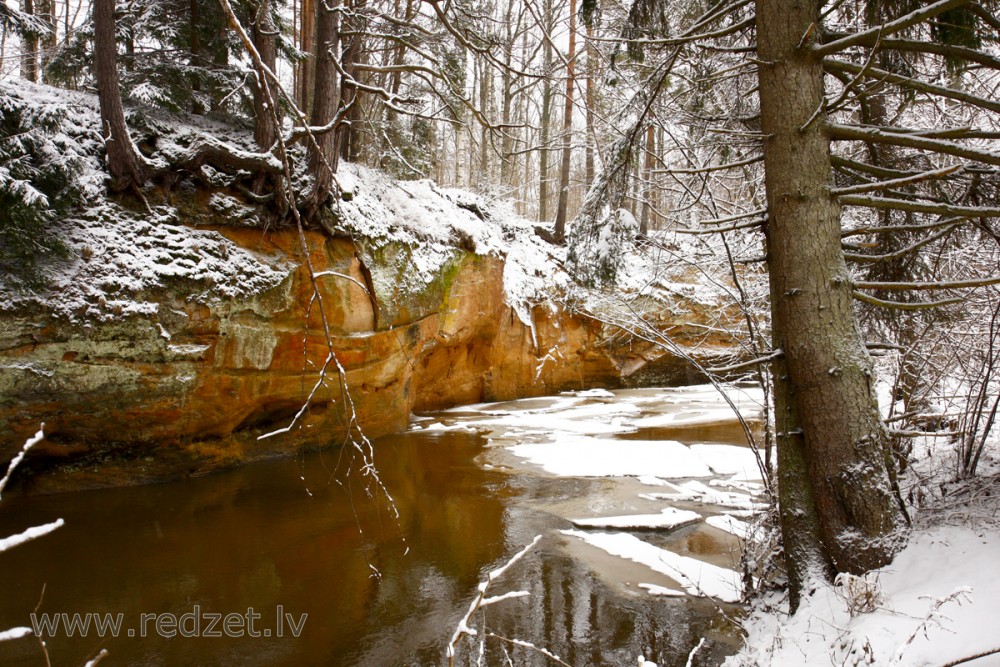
(189, 385)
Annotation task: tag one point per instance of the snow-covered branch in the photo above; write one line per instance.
(26, 535)
(911, 83)
(481, 600)
(933, 174)
(30, 534)
(938, 285)
(889, 28)
(895, 229)
(747, 364)
(879, 136)
(893, 204)
(31, 442)
(900, 305)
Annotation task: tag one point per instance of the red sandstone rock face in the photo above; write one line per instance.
(191, 389)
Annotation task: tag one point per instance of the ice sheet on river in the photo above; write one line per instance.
(696, 491)
(583, 456)
(601, 412)
(697, 577)
(599, 457)
(668, 517)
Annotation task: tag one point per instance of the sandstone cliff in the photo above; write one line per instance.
(167, 350)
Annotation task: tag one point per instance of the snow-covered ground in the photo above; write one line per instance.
(936, 603)
(118, 257)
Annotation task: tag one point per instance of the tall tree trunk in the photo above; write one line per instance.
(350, 139)
(325, 102)
(485, 86)
(264, 33)
(46, 11)
(221, 60)
(124, 163)
(591, 102)
(543, 121)
(838, 509)
(458, 128)
(567, 138)
(29, 48)
(194, 21)
(396, 56)
(507, 163)
(266, 111)
(647, 181)
(305, 72)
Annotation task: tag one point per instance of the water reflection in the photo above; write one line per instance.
(289, 533)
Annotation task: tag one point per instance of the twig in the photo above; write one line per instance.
(41, 640)
(701, 642)
(31, 442)
(957, 595)
(747, 364)
(97, 658)
(463, 627)
(534, 647)
(972, 657)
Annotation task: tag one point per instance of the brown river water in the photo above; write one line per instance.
(290, 547)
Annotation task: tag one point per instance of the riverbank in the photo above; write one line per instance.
(935, 605)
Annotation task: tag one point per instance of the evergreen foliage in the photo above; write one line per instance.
(39, 170)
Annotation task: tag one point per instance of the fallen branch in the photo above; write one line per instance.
(970, 658)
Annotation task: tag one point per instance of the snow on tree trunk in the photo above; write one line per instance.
(837, 505)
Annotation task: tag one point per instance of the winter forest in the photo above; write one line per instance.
(661, 331)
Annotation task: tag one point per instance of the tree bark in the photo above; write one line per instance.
(543, 120)
(305, 72)
(567, 139)
(837, 507)
(46, 11)
(647, 181)
(350, 139)
(29, 50)
(325, 102)
(265, 125)
(124, 163)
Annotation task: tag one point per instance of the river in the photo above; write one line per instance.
(294, 547)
